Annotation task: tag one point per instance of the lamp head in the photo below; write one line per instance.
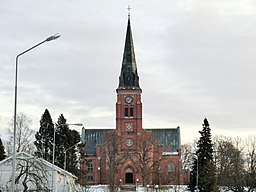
(53, 37)
(78, 124)
(80, 142)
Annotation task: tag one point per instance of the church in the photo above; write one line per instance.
(131, 154)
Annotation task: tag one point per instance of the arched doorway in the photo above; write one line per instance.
(128, 176)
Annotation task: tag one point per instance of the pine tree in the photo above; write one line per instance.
(65, 139)
(2, 151)
(206, 167)
(72, 153)
(61, 129)
(44, 137)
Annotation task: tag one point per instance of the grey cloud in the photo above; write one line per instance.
(194, 61)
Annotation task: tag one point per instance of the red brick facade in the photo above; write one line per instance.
(137, 157)
(130, 154)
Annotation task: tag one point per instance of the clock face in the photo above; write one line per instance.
(129, 127)
(128, 99)
(129, 142)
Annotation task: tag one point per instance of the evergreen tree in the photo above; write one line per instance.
(44, 137)
(2, 151)
(61, 129)
(72, 154)
(65, 139)
(206, 167)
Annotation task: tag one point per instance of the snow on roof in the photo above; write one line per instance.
(23, 155)
(170, 153)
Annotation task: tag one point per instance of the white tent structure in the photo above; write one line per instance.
(33, 173)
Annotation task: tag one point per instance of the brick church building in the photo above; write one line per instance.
(131, 154)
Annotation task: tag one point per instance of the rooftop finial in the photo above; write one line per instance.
(129, 11)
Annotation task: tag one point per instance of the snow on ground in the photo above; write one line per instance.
(104, 188)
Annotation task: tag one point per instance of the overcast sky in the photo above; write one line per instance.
(195, 59)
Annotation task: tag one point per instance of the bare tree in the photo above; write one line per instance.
(24, 135)
(172, 175)
(82, 175)
(187, 155)
(251, 163)
(111, 150)
(30, 175)
(145, 158)
(229, 163)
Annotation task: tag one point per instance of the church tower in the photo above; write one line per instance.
(129, 154)
(128, 105)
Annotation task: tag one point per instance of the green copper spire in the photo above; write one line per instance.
(129, 78)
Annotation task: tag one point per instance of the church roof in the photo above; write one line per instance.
(93, 138)
(167, 138)
(129, 78)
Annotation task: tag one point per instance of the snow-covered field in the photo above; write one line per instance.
(104, 188)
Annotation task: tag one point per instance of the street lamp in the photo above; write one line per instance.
(137, 180)
(196, 157)
(65, 152)
(53, 151)
(156, 186)
(65, 160)
(99, 168)
(15, 104)
(147, 187)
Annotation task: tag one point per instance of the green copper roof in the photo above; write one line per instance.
(129, 78)
(167, 138)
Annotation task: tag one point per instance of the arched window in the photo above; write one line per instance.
(89, 167)
(131, 112)
(89, 178)
(128, 111)
(126, 114)
(171, 167)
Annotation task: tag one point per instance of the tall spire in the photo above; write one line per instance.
(129, 78)
(129, 11)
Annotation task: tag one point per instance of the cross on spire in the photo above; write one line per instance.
(129, 10)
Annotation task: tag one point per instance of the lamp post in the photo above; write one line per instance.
(65, 161)
(65, 152)
(196, 157)
(15, 104)
(156, 186)
(98, 179)
(147, 187)
(99, 168)
(53, 150)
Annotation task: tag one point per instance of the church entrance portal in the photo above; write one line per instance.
(128, 178)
